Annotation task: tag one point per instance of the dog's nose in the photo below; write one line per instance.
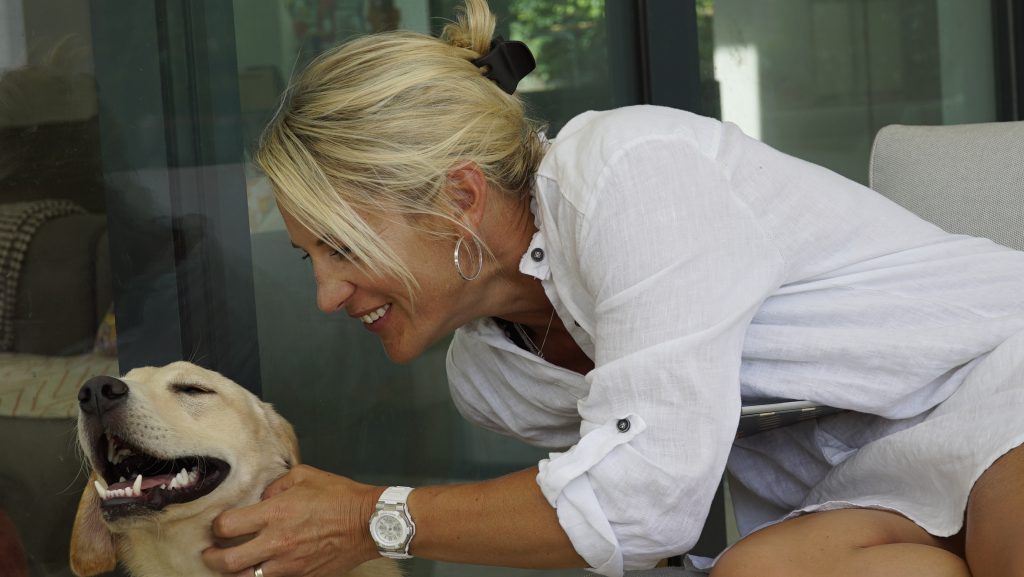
(101, 394)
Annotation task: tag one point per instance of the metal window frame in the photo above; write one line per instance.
(1008, 50)
(170, 124)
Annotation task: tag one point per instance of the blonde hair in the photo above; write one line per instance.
(374, 126)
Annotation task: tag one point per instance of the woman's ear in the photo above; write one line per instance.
(469, 191)
(92, 545)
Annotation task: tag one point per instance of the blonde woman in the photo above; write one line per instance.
(613, 295)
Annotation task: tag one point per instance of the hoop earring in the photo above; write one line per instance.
(479, 261)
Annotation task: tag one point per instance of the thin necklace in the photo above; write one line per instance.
(539, 351)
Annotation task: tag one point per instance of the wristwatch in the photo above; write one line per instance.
(391, 525)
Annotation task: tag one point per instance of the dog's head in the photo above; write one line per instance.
(166, 444)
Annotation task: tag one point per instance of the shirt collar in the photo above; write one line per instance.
(534, 261)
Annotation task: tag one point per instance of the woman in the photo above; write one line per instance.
(613, 295)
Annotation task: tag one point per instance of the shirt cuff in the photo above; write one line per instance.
(565, 484)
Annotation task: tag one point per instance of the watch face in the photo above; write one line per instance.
(389, 530)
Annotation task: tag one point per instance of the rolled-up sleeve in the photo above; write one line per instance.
(677, 267)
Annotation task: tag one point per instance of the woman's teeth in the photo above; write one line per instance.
(367, 319)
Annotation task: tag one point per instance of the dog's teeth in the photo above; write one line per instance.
(164, 486)
(102, 490)
(122, 480)
(137, 488)
(179, 481)
(110, 449)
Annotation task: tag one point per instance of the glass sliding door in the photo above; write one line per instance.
(818, 78)
(56, 314)
(127, 126)
(123, 230)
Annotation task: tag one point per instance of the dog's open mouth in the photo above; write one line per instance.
(134, 481)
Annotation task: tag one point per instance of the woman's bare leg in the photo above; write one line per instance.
(995, 519)
(843, 543)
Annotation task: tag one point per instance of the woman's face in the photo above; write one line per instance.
(382, 304)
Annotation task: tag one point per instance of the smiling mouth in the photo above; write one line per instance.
(131, 481)
(369, 319)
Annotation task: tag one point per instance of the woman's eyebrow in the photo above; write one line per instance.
(318, 243)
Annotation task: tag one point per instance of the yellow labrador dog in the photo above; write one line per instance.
(170, 449)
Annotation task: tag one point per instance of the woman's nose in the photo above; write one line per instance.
(331, 294)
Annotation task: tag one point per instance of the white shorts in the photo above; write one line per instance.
(923, 467)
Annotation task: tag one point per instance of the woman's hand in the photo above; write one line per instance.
(309, 523)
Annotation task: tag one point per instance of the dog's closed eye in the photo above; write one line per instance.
(191, 389)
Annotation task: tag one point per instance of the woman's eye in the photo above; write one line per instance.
(345, 252)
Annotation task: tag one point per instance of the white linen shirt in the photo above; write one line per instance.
(695, 265)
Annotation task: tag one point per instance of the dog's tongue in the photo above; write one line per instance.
(147, 482)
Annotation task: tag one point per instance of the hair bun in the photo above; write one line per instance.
(473, 27)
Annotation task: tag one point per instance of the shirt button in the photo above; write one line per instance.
(622, 425)
(537, 254)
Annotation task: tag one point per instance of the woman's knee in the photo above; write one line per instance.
(751, 557)
(834, 543)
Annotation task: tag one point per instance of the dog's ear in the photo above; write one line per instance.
(93, 550)
(284, 434)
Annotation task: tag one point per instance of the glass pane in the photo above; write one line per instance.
(57, 323)
(818, 78)
(355, 412)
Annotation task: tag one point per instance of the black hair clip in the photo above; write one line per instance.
(510, 62)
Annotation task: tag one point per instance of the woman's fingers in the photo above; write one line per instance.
(240, 559)
(235, 523)
(309, 523)
(284, 482)
(233, 555)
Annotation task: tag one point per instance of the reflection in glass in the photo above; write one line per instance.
(56, 313)
(818, 78)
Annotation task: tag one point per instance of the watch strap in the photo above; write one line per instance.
(395, 499)
(395, 495)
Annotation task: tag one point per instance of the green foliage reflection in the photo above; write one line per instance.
(568, 39)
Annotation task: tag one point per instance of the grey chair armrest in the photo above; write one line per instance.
(967, 179)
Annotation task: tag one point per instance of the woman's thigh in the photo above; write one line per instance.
(995, 519)
(843, 543)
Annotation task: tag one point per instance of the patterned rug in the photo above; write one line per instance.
(43, 387)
